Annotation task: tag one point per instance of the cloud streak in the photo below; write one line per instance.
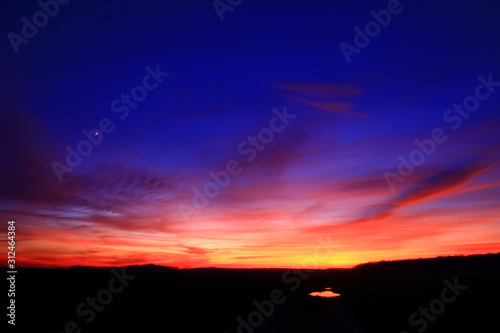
(429, 186)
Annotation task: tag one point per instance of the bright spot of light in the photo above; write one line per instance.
(326, 293)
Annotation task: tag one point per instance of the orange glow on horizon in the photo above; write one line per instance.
(292, 236)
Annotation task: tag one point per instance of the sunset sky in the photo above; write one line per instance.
(301, 141)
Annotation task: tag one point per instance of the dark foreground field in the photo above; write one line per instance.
(463, 294)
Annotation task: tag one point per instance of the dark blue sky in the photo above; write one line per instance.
(326, 169)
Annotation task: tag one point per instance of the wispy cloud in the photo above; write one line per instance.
(429, 186)
(333, 98)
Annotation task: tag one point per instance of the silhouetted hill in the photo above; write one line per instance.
(375, 297)
(472, 262)
(135, 268)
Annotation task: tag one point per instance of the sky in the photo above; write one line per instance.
(249, 133)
